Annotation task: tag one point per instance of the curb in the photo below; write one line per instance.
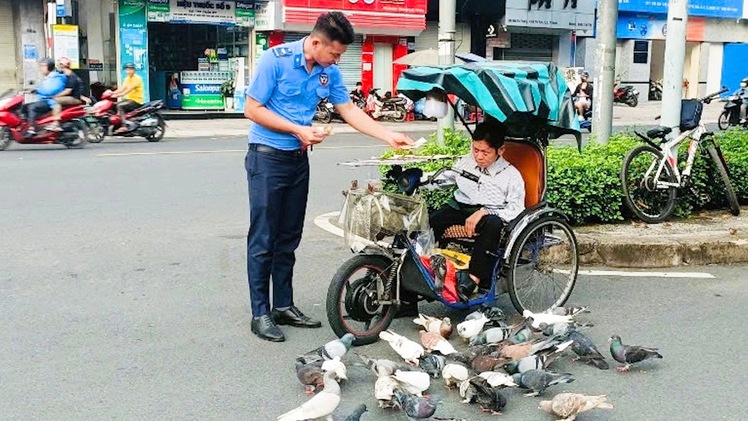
(638, 252)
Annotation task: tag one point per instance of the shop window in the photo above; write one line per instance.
(641, 52)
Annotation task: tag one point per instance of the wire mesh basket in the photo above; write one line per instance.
(369, 217)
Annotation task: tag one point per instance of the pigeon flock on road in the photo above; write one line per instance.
(497, 356)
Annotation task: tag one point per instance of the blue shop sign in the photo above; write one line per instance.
(640, 26)
(707, 8)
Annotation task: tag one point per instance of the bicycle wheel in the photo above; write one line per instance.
(719, 164)
(352, 299)
(640, 192)
(724, 120)
(543, 265)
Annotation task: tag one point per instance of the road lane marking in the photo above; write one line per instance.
(227, 151)
(323, 222)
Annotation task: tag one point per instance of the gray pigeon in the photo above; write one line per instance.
(334, 348)
(357, 412)
(538, 380)
(630, 354)
(477, 390)
(491, 336)
(439, 268)
(310, 375)
(415, 407)
(432, 364)
(569, 311)
(382, 367)
(533, 362)
(585, 348)
(524, 334)
(495, 315)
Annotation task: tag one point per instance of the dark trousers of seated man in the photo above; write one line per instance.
(488, 230)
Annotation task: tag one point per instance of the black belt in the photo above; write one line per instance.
(256, 147)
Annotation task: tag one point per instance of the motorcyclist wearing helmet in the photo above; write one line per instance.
(52, 84)
(131, 94)
(742, 92)
(71, 95)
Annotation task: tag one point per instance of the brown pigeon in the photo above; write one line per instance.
(569, 405)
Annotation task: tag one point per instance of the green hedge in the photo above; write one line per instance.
(586, 186)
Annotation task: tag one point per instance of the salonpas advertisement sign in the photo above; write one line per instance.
(217, 12)
(202, 90)
(133, 39)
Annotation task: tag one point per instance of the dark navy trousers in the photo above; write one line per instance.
(278, 183)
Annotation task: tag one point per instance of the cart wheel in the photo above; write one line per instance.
(543, 265)
(352, 295)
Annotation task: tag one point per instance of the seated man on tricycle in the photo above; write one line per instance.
(483, 207)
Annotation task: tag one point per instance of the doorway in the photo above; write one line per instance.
(383, 67)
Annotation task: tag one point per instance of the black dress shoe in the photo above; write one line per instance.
(265, 328)
(294, 317)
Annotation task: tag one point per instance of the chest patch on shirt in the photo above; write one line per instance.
(282, 51)
(324, 79)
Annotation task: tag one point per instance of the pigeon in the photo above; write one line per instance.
(568, 311)
(524, 334)
(538, 318)
(410, 351)
(415, 382)
(436, 342)
(416, 407)
(585, 349)
(311, 375)
(494, 314)
(467, 356)
(476, 389)
(436, 325)
(334, 348)
(569, 405)
(382, 367)
(496, 379)
(630, 354)
(432, 364)
(454, 373)
(384, 390)
(356, 414)
(319, 406)
(538, 380)
(469, 328)
(492, 336)
(533, 362)
(525, 349)
(439, 268)
(487, 363)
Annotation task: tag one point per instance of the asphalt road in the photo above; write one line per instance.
(124, 296)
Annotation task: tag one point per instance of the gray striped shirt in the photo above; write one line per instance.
(500, 189)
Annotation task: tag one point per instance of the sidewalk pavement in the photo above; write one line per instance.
(623, 115)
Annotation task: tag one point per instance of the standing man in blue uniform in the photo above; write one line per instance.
(289, 81)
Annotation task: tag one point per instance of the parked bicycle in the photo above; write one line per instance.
(650, 175)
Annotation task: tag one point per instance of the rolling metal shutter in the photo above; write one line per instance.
(8, 68)
(533, 47)
(350, 63)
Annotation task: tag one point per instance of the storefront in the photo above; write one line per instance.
(641, 33)
(382, 29)
(188, 52)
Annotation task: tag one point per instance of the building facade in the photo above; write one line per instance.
(22, 42)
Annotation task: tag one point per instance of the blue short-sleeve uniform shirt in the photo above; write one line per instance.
(283, 85)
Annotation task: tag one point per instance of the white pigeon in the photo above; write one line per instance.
(548, 319)
(430, 323)
(410, 351)
(496, 378)
(454, 373)
(469, 328)
(384, 390)
(321, 405)
(337, 367)
(415, 382)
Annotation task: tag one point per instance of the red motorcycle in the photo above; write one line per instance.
(143, 121)
(14, 124)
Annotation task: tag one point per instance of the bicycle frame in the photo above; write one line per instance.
(669, 151)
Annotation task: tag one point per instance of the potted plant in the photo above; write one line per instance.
(227, 90)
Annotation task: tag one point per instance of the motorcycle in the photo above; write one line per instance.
(14, 124)
(625, 95)
(143, 121)
(655, 90)
(379, 108)
(731, 114)
(325, 111)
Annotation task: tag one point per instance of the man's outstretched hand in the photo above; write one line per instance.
(398, 140)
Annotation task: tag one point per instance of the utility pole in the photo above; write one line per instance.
(675, 53)
(447, 16)
(605, 69)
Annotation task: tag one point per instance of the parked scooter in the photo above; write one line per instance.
(625, 94)
(731, 115)
(325, 111)
(655, 90)
(144, 121)
(14, 124)
(379, 108)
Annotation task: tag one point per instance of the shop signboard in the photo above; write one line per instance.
(573, 15)
(731, 9)
(133, 38)
(202, 90)
(267, 15)
(416, 7)
(640, 26)
(218, 12)
(245, 13)
(159, 11)
(65, 41)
